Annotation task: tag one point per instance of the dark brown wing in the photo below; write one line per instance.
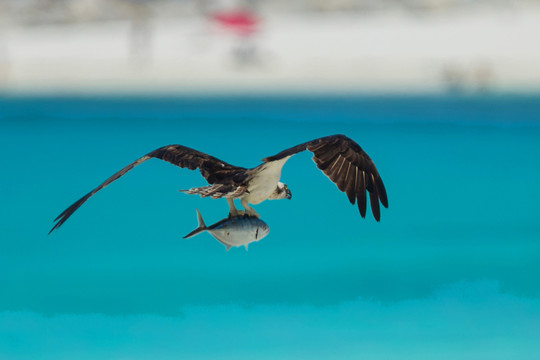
(211, 168)
(348, 166)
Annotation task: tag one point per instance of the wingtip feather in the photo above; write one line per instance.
(374, 197)
(382, 191)
(362, 205)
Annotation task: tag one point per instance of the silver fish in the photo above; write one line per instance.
(233, 231)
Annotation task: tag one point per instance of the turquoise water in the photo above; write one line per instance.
(452, 271)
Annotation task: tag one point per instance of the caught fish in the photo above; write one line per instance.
(233, 231)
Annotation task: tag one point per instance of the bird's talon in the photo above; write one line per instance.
(252, 213)
(237, 213)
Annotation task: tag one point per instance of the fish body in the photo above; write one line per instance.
(233, 231)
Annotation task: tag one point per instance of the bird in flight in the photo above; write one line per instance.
(341, 159)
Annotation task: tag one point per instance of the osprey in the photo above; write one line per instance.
(341, 159)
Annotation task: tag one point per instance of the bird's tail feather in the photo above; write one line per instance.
(217, 191)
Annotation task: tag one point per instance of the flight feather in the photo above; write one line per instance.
(345, 163)
(211, 168)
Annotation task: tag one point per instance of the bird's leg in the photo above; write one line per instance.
(233, 211)
(249, 210)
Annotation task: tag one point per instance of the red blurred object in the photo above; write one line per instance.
(241, 22)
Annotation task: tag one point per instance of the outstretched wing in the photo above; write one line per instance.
(348, 166)
(211, 168)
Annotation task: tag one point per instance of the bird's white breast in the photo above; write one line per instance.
(265, 181)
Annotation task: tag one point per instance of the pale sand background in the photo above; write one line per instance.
(480, 49)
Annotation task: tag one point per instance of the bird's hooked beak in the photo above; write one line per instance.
(288, 193)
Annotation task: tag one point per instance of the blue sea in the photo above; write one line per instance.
(452, 270)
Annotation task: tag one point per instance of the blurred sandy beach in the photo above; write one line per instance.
(471, 49)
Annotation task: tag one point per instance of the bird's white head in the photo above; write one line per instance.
(281, 192)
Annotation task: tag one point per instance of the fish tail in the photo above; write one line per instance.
(200, 228)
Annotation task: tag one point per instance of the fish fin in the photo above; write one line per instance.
(200, 219)
(246, 246)
(227, 246)
(200, 228)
